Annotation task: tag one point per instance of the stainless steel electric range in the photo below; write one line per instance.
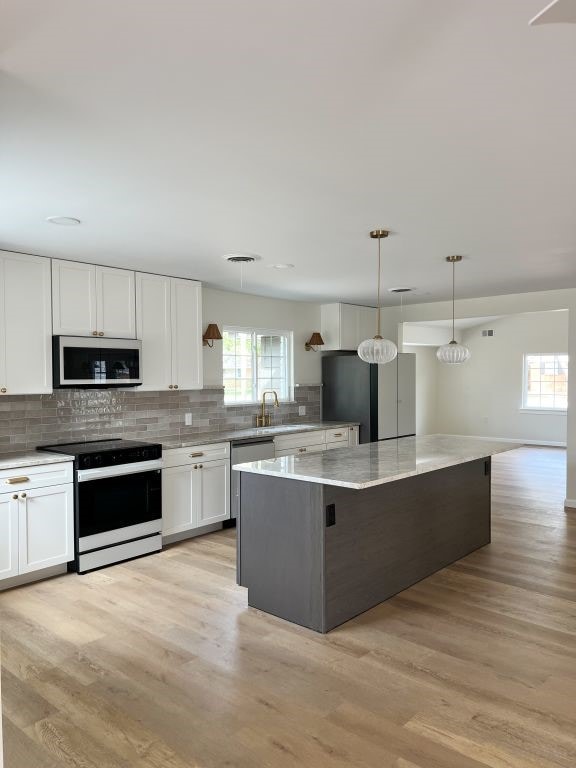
(118, 500)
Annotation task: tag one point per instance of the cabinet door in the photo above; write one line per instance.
(46, 527)
(186, 313)
(154, 330)
(73, 298)
(25, 325)
(349, 327)
(179, 490)
(115, 303)
(8, 536)
(366, 323)
(388, 400)
(406, 394)
(214, 499)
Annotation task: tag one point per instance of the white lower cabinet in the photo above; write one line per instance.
(8, 536)
(36, 525)
(214, 494)
(46, 527)
(195, 494)
(314, 441)
(178, 489)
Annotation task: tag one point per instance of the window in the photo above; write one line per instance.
(255, 360)
(546, 382)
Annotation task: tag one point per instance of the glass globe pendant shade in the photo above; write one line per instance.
(453, 353)
(377, 350)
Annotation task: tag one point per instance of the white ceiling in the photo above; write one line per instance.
(180, 131)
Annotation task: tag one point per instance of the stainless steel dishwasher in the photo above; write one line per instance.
(241, 452)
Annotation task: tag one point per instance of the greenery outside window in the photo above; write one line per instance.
(254, 360)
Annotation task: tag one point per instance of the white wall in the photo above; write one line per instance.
(484, 396)
(241, 309)
(426, 389)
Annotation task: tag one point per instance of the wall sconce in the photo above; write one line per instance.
(314, 342)
(211, 335)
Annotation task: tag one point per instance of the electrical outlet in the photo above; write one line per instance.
(188, 419)
(301, 410)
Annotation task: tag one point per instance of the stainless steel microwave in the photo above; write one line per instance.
(84, 362)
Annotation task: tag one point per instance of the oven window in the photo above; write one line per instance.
(116, 502)
(93, 364)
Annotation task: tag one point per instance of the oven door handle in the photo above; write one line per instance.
(84, 475)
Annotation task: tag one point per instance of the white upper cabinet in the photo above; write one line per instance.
(25, 325)
(186, 334)
(89, 300)
(169, 324)
(344, 326)
(115, 303)
(154, 329)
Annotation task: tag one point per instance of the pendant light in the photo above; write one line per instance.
(453, 353)
(378, 350)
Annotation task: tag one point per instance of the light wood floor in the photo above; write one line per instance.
(159, 663)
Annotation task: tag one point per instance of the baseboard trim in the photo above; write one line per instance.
(522, 441)
(28, 578)
(570, 503)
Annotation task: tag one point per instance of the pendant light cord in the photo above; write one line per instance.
(453, 294)
(378, 334)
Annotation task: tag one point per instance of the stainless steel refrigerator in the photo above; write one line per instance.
(382, 398)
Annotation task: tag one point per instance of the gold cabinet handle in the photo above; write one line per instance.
(200, 466)
(22, 495)
(101, 333)
(301, 450)
(17, 480)
(195, 455)
(337, 434)
(175, 386)
(195, 466)
(15, 496)
(3, 390)
(94, 333)
(170, 386)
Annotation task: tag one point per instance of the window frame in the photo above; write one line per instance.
(539, 408)
(255, 331)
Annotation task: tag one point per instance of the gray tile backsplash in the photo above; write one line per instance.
(27, 421)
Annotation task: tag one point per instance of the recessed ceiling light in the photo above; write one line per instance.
(64, 221)
(281, 266)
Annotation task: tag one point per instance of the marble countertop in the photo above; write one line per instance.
(252, 433)
(371, 464)
(31, 459)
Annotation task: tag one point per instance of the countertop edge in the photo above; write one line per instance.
(420, 470)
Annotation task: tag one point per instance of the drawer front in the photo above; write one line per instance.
(299, 439)
(39, 476)
(337, 435)
(339, 444)
(175, 457)
(302, 450)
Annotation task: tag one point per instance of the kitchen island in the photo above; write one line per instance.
(324, 537)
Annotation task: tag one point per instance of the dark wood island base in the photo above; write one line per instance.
(318, 555)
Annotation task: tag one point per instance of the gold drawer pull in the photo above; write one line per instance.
(301, 450)
(195, 455)
(16, 480)
(337, 434)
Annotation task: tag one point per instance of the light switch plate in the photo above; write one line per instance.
(301, 410)
(188, 419)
